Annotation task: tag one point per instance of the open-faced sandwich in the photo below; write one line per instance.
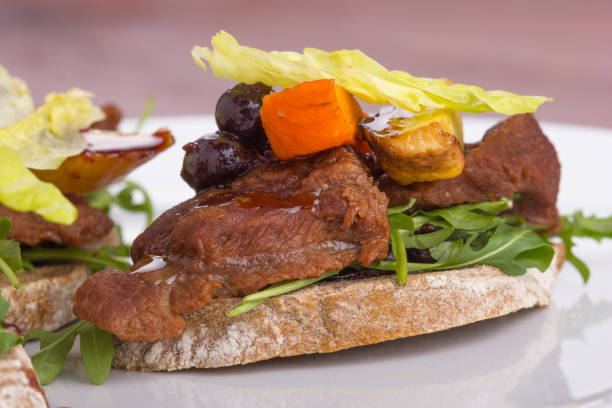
(55, 162)
(316, 227)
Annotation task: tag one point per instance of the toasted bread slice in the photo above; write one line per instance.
(19, 387)
(331, 316)
(44, 299)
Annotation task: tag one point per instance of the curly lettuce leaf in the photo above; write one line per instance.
(358, 74)
(15, 100)
(20, 190)
(44, 139)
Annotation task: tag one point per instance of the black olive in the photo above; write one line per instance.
(237, 112)
(216, 159)
(419, 255)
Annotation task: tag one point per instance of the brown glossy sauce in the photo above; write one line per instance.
(264, 199)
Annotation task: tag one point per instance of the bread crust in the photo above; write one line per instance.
(44, 300)
(332, 316)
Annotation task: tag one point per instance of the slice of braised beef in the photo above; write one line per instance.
(514, 157)
(283, 221)
(30, 228)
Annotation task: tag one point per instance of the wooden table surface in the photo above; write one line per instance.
(124, 50)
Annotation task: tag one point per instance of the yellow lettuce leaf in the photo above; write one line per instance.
(20, 190)
(15, 99)
(51, 134)
(358, 74)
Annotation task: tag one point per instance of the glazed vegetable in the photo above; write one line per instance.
(421, 147)
(237, 112)
(20, 190)
(98, 167)
(358, 74)
(44, 139)
(309, 118)
(216, 159)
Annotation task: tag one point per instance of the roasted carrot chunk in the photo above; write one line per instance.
(310, 117)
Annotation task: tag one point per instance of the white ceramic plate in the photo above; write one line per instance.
(560, 355)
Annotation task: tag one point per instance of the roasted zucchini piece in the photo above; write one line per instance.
(416, 147)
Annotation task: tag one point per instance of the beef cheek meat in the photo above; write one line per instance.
(282, 221)
(513, 157)
(30, 228)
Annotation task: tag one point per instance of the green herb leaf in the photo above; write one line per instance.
(97, 352)
(146, 112)
(5, 227)
(7, 339)
(10, 253)
(577, 225)
(101, 199)
(402, 208)
(10, 274)
(50, 360)
(401, 259)
(279, 288)
(512, 250)
(105, 257)
(446, 250)
(471, 217)
(125, 199)
(4, 307)
(427, 240)
(401, 221)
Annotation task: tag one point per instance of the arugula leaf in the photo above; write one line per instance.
(10, 253)
(54, 348)
(101, 199)
(97, 352)
(430, 239)
(402, 208)
(5, 227)
(105, 257)
(7, 339)
(146, 112)
(471, 217)
(401, 221)
(577, 225)
(401, 259)
(4, 307)
(126, 199)
(254, 299)
(512, 250)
